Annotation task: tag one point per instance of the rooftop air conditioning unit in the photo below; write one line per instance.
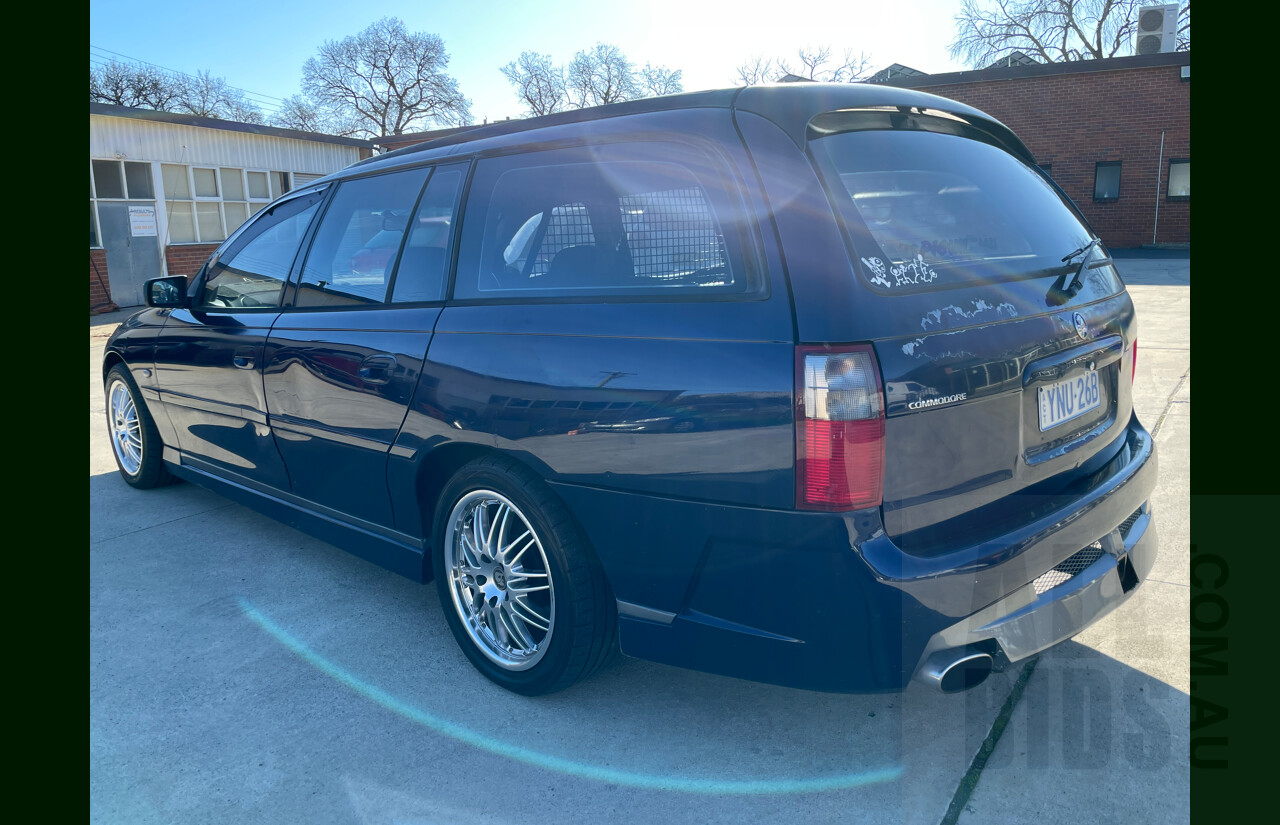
(1157, 29)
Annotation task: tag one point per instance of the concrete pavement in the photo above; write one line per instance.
(241, 671)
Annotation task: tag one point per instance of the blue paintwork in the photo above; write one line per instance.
(208, 370)
(667, 428)
(338, 385)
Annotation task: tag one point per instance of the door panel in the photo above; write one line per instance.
(338, 385)
(131, 260)
(207, 371)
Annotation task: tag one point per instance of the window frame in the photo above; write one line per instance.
(1169, 181)
(252, 205)
(466, 167)
(1107, 164)
(94, 198)
(722, 186)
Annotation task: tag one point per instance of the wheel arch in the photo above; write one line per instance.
(441, 464)
(109, 360)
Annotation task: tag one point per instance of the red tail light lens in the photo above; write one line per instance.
(839, 428)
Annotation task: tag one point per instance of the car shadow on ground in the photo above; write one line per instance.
(252, 638)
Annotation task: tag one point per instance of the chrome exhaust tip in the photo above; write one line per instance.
(955, 671)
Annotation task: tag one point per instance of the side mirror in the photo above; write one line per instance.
(167, 292)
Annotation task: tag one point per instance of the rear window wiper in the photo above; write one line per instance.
(1060, 293)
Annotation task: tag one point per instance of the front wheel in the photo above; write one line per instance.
(134, 438)
(524, 595)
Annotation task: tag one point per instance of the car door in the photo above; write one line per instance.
(209, 357)
(343, 361)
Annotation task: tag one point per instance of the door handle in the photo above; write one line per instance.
(376, 369)
(244, 357)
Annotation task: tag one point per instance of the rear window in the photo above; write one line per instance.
(928, 210)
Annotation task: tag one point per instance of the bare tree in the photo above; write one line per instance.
(595, 76)
(539, 83)
(757, 70)
(599, 76)
(391, 80)
(1052, 31)
(204, 95)
(137, 86)
(297, 112)
(812, 63)
(659, 80)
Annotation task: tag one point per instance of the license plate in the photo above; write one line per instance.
(1065, 400)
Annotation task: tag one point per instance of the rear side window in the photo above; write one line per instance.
(420, 275)
(929, 210)
(607, 221)
(358, 241)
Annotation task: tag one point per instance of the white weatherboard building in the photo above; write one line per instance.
(165, 189)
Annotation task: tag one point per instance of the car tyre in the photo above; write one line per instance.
(135, 442)
(522, 591)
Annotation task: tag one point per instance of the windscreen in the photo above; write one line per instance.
(929, 211)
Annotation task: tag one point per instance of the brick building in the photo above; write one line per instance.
(166, 189)
(1115, 134)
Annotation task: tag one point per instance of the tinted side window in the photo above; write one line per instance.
(608, 221)
(420, 276)
(252, 269)
(358, 241)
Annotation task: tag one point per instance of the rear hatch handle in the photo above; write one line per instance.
(1099, 353)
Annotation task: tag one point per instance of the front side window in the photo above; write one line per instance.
(252, 270)
(358, 241)
(928, 210)
(609, 221)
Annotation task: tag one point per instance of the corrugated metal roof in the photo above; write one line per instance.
(216, 123)
(146, 139)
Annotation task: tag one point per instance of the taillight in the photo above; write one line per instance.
(1134, 373)
(839, 428)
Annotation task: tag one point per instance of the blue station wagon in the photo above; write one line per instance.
(826, 386)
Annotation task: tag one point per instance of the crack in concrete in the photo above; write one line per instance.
(969, 781)
(1168, 404)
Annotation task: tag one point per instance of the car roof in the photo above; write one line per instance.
(789, 105)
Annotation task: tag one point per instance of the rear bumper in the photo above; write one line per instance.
(1025, 622)
(829, 602)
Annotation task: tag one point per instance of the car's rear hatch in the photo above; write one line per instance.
(1003, 333)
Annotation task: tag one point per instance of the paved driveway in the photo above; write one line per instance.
(240, 671)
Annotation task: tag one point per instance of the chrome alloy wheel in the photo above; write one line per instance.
(499, 579)
(126, 429)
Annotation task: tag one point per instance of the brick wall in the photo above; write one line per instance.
(186, 259)
(99, 283)
(1073, 121)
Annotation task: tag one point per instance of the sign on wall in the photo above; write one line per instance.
(142, 221)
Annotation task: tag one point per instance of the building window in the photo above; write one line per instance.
(1179, 180)
(1106, 181)
(116, 180)
(207, 204)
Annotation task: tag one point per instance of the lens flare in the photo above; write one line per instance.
(584, 770)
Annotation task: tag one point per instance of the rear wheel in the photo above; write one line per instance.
(524, 595)
(134, 438)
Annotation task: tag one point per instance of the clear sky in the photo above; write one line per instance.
(260, 45)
